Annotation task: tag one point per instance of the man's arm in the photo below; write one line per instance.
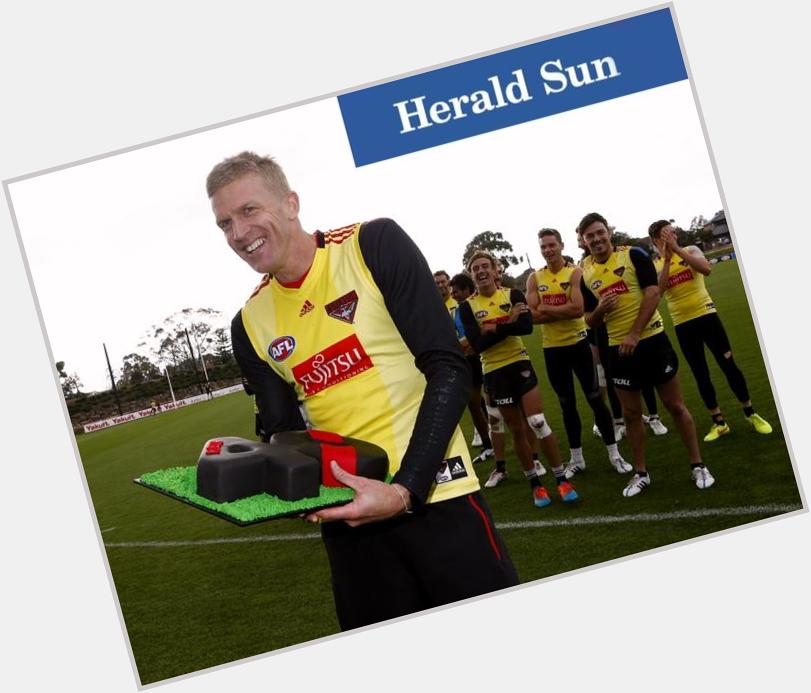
(691, 254)
(275, 399)
(649, 283)
(478, 341)
(573, 308)
(594, 309)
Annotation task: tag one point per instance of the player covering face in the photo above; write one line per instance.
(620, 288)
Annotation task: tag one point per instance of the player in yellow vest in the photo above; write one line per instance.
(696, 321)
(556, 302)
(494, 319)
(348, 323)
(442, 283)
(620, 288)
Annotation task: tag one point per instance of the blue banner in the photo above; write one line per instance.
(511, 87)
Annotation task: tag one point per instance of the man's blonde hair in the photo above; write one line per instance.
(481, 253)
(243, 164)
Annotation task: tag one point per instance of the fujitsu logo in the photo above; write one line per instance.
(336, 363)
(617, 288)
(554, 299)
(679, 278)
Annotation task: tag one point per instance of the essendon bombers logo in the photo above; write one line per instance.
(333, 365)
(343, 308)
(281, 347)
(619, 271)
(565, 285)
(506, 307)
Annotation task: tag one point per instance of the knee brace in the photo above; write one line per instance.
(496, 420)
(537, 422)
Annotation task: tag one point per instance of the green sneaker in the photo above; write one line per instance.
(719, 430)
(759, 424)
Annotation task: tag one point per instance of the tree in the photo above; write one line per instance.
(493, 242)
(138, 369)
(222, 345)
(167, 341)
(71, 385)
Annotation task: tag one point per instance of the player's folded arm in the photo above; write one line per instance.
(275, 399)
(406, 282)
(521, 326)
(480, 342)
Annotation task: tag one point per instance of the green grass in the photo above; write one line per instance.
(189, 607)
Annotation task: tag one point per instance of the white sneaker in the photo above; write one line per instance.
(619, 432)
(496, 477)
(636, 485)
(596, 431)
(572, 468)
(477, 441)
(620, 465)
(483, 455)
(655, 424)
(702, 477)
(540, 470)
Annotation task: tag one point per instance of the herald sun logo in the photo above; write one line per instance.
(281, 348)
(333, 365)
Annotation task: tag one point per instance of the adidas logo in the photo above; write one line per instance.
(669, 369)
(306, 308)
(457, 468)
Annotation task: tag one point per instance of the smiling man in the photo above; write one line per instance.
(555, 299)
(494, 320)
(332, 325)
(621, 289)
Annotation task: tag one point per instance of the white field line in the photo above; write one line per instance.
(749, 510)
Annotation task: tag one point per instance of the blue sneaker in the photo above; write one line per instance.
(567, 492)
(541, 497)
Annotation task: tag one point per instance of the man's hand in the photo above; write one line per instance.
(516, 311)
(608, 303)
(374, 501)
(629, 344)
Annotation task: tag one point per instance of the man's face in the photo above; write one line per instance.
(459, 293)
(257, 222)
(483, 273)
(441, 282)
(551, 248)
(597, 239)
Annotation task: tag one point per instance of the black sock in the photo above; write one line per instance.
(487, 444)
(719, 419)
(645, 473)
(501, 465)
(696, 465)
(748, 411)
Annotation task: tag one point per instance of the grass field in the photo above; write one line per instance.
(197, 591)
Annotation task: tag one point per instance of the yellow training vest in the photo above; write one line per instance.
(686, 295)
(554, 289)
(334, 341)
(495, 309)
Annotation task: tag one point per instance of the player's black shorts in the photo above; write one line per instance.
(653, 363)
(476, 371)
(441, 553)
(506, 386)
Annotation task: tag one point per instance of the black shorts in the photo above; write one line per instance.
(506, 386)
(653, 363)
(476, 371)
(441, 553)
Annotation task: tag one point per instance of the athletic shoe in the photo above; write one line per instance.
(636, 485)
(540, 470)
(496, 477)
(716, 431)
(759, 424)
(567, 492)
(596, 432)
(702, 477)
(573, 468)
(655, 424)
(620, 465)
(541, 497)
(619, 432)
(477, 441)
(483, 455)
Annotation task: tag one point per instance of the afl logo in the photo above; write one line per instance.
(543, 287)
(281, 347)
(596, 284)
